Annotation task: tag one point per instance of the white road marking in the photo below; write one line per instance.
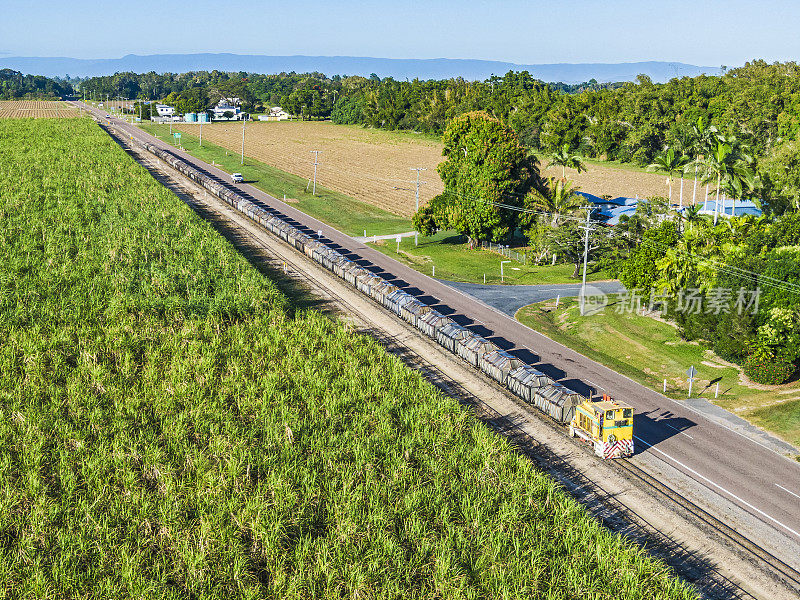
(719, 487)
(788, 491)
(599, 387)
(675, 428)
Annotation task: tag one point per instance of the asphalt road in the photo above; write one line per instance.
(510, 298)
(740, 470)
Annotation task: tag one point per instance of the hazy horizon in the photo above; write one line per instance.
(710, 33)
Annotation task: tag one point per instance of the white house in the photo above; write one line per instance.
(224, 106)
(276, 113)
(165, 110)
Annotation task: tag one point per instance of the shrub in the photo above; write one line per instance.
(763, 368)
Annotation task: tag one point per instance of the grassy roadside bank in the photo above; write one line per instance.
(455, 261)
(648, 351)
(171, 427)
(342, 212)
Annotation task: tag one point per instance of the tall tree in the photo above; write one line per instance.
(486, 169)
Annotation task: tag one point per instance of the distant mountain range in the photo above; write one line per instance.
(436, 68)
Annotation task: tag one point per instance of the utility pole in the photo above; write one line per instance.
(418, 169)
(243, 122)
(316, 154)
(587, 228)
(201, 134)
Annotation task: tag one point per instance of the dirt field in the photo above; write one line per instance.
(366, 164)
(373, 165)
(19, 109)
(627, 182)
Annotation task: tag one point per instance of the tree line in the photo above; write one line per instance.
(758, 103)
(732, 284)
(16, 86)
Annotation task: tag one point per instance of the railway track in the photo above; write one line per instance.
(789, 574)
(297, 268)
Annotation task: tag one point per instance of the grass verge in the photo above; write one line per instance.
(649, 350)
(170, 427)
(455, 261)
(337, 210)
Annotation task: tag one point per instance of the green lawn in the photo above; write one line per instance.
(455, 261)
(171, 426)
(342, 212)
(649, 351)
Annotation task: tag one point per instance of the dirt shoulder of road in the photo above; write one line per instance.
(695, 552)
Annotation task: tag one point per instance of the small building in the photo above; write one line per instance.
(164, 110)
(276, 113)
(225, 111)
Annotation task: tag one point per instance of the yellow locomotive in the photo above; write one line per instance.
(606, 424)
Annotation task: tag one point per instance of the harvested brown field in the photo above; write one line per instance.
(367, 164)
(373, 165)
(627, 182)
(37, 109)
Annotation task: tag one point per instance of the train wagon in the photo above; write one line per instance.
(352, 273)
(607, 425)
(341, 264)
(451, 334)
(472, 348)
(395, 301)
(557, 401)
(381, 291)
(498, 364)
(310, 246)
(432, 322)
(413, 310)
(525, 380)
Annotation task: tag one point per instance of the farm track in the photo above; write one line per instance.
(607, 506)
(37, 109)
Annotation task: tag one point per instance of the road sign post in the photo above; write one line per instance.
(691, 374)
(502, 262)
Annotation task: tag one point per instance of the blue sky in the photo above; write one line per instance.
(708, 33)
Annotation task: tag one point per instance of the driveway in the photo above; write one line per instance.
(510, 298)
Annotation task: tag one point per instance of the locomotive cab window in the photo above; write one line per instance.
(610, 415)
(627, 413)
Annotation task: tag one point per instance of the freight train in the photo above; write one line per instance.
(606, 425)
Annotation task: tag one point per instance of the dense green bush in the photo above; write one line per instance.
(766, 369)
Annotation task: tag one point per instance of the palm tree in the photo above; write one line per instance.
(716, 166)
(670, 162)
(692, 215)
(558, 198)
(564, 158)
(700, 146)
(732, 188)
(751, 185)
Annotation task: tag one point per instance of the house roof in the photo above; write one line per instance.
(591, 197)
(728, 207)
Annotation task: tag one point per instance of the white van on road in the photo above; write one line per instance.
(237, 178)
